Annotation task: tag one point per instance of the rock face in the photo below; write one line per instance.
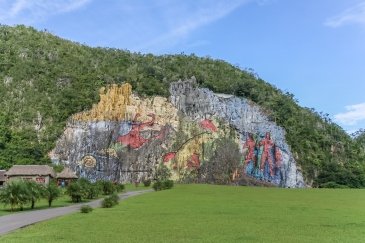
(124, 137)
(249, 122)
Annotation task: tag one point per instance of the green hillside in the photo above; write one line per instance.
(45, 79)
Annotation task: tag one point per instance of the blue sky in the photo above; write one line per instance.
(314, 48)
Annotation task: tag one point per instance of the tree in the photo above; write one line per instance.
(15, 193)
(87, 189)
(224, 162)
(35, 191)
(107, 187)
(75, 192)
(52, 192)
(162, 173)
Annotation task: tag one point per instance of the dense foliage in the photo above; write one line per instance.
(86, 209)
(45, 79)
(18, 193)
(110, 201)
(84, 189)
(225, 161)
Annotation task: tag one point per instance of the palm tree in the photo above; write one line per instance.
(35, 190)
(52, 192)
(15, 193)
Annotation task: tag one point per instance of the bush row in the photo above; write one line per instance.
(84, 189)
(19, 193)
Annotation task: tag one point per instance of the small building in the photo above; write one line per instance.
(2, 177)
(39, 173)
(66, 177)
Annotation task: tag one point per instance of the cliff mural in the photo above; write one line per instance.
(125, 137)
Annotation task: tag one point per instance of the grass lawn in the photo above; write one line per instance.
(131, 187)
(206, 213)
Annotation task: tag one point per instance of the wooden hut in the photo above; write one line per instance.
(39, 173)
(65, 177)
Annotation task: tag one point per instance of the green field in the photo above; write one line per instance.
(206, 213)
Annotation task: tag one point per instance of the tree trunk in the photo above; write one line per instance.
(49, 203)
(33, 202)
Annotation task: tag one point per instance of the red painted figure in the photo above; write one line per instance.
(278, 157)
(208, 125)
(134, 138)
(169, 156)
(194, 161)
(267, 143)
(250, 144)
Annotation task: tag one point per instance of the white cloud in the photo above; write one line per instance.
(182, 19)
(31, 11)
(352, 15)
(353, 115)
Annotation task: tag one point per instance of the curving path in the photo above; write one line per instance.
(19, 220)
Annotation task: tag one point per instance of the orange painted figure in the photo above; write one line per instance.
(267, 144)
(134, 138)
(250, 144)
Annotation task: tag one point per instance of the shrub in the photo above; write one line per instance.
(74, 190)
(107, 203)
(92, 190)
(107, 187)
(163, 185)
(332, 184)
(115, 198)
(119, 187)
(168, 184)
(110, 201)
(157, 186)
(82, 189)
(86, 209)
(147, 182)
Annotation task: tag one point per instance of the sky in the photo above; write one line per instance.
(314, 49)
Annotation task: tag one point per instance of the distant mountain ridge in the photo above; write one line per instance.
(44, 80)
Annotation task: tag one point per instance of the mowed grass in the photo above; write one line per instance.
(207, 213)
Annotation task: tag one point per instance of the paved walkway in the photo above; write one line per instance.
(19, 220)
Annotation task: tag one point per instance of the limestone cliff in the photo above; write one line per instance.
(246, 118)
(124, 137)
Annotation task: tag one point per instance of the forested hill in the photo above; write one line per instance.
(45, 79)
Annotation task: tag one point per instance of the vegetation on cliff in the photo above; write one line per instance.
(45, 79)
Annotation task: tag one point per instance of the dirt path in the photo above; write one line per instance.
(19, 220)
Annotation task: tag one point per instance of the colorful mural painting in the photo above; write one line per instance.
(133, 138)
(263, 158)
(125, 137)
